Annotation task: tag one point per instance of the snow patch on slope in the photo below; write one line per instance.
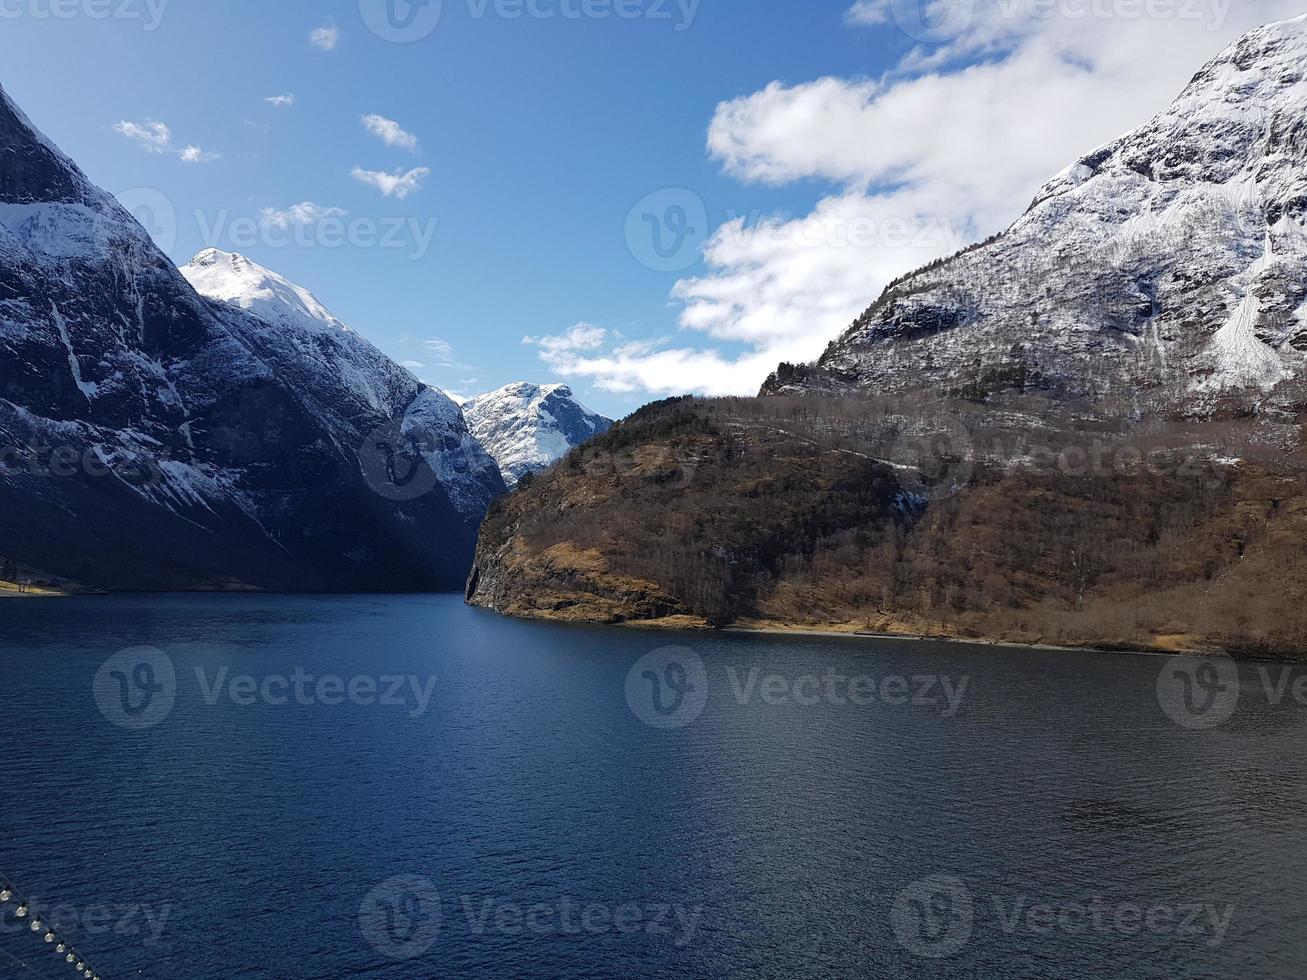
(234, 279)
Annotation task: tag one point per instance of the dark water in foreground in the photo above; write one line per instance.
(1029, 814)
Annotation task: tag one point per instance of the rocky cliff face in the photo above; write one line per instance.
(153, 439)
(1165, 271)
(528, 428)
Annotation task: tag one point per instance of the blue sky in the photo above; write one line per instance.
(537, 135)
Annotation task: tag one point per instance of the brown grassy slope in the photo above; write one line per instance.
(749, 510)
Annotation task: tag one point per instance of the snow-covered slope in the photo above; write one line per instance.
(153, 439)
(345, 377)
(1166, 270)
(528, 428)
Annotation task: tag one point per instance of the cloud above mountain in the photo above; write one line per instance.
(946, 148)
(156, 137)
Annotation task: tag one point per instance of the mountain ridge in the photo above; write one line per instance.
(1166, 270)
(529, 427)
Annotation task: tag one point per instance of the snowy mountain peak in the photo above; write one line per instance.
(232, 278)
(308, 344)
(529, 427)
(1166, 270)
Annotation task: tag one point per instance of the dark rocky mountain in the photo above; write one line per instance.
(156, 440)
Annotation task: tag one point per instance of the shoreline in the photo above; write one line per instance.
(689, 624)
(8, 590)
(960, 640)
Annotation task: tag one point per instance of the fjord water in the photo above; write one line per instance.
(525, 820)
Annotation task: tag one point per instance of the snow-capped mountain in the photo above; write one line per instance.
(344, 376)
(527, 428)
(155, 439)
(1166, 270)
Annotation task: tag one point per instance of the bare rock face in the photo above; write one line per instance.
(153, 439)
(1165, 271)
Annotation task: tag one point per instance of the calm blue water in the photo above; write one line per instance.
(1051, 821)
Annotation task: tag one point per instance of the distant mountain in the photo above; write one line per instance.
(152, 439)
(527, 428)
(1167, 270)
(344, 376)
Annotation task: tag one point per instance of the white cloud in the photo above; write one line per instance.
(647, 366)
(389, 132)
(949, 147)
(156, 137)
(440, 356)
(442, 349)
(869, 12)
(325, 38)
(399, 184)
(412, 365)
(193, 154)
(582, 337)
(297, 215)
(281, 101)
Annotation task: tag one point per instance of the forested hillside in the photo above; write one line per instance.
(1030, 524)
